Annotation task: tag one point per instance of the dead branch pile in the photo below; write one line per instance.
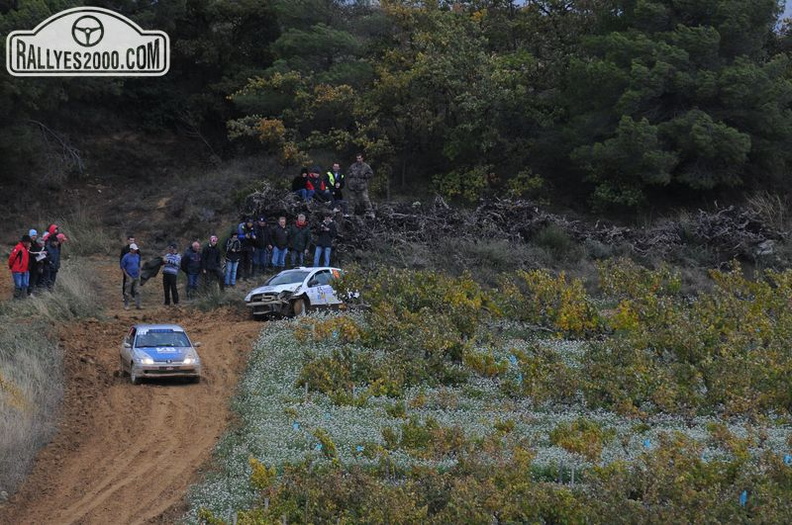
(727, 232)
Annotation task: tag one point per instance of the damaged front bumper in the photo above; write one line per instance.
(270, 304)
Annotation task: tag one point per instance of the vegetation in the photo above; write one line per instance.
(31, 368)
(616, 103)
(643, 399)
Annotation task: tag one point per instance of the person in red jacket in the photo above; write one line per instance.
(18, 263)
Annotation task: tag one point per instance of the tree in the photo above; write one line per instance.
(691, 82)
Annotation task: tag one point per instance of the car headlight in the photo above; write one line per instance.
(143, 358)
(190, 360)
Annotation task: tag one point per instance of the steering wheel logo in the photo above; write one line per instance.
(87, 31)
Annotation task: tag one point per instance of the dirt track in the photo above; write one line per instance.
(123, 453)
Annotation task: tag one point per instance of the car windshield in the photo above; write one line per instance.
(288, 277)
(160, 339)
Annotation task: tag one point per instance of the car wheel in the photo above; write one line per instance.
(133, 377)
(299, 306)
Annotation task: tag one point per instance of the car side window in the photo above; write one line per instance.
(323, 277)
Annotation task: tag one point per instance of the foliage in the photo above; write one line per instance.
(721, 350)
(583, 437)
(549, 449)
(677, 96)
(549, 301)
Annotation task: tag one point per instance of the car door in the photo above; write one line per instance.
(320, 291)
(126, 350)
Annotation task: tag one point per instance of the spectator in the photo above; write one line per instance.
(357, 181)
(52, 231)
(35, 262)
(320, 185)
(212, 261)
(19, 263)
(299, 238)
(233, 254)
(170, 272)
(191, 265)
(53, 260)
(130, 265)
(280, 243)
(247, 239)
(324, 241)
(337, 181)
(300, 185)
(124, 251)
(262, 256)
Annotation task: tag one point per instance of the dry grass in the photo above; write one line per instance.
(31, 387)
(771, 209)
(31, 377)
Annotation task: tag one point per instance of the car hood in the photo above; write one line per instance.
(274, 289)
(166, 353)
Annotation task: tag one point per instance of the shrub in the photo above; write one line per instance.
(557, 303)
(582, 436)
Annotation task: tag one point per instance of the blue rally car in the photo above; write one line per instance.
(159, 350)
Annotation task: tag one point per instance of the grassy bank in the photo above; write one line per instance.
(31, 367)
(445, 402)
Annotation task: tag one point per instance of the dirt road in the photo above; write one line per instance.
(124, 453)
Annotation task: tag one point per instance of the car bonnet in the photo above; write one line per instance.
(166, 353)
(276, 289)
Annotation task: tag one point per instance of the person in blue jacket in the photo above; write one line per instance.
(130, 265)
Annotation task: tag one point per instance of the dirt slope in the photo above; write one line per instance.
(124, 453)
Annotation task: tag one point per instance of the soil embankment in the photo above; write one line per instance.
(126, 454)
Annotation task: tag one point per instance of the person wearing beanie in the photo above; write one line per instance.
(18, 263)
(53, 260)
(52, 230)
(35, 265)
(212, 264)
(262, 245)
(130, 265)
(38, 261)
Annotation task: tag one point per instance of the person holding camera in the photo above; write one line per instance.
(324, 240)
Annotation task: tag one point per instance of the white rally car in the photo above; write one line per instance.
(294, 292)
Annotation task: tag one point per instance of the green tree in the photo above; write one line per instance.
(684, 94)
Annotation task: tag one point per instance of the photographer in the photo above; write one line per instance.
(326, 232)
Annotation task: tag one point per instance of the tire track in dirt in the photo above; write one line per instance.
(125, 453)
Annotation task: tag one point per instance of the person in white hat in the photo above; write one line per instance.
(130, 265)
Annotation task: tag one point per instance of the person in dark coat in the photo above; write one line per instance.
(247, 239)
(324, 241)
(53, 260)
(191, 265)
(35, 262)
(233, 253)
(262, 256)
(212, 261)
(337, 181)
(280, 243)
(299, 238)
(300, 185)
